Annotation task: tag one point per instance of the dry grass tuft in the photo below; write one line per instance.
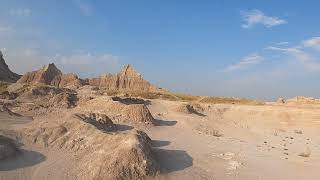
(230, 100)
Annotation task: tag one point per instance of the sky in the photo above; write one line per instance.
(251, 49)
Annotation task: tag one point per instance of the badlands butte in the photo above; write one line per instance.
(59, 126)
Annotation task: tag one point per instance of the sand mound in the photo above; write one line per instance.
(190, 109)
(137, 113)
(117, 111)
(101, 155)
(7, 148)
(47, 96)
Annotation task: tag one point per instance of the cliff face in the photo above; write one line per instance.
(5, 73)
(127, 79)
(51, 75)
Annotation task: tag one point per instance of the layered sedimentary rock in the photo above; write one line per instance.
(5, 73)
(127, 79)
(51, 75)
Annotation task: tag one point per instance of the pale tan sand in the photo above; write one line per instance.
(227, 142)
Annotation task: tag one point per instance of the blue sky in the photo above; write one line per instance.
(253, 49)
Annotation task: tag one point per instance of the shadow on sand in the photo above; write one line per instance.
(158, 143)
(159, 122)
(24, 158)
(199, 114)
(123, 127)
(173, 160)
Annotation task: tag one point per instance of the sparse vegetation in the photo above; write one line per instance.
(187, 98)
(230, 100)
(184, 97)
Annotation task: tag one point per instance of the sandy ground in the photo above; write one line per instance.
(257, 142)
(227, 142)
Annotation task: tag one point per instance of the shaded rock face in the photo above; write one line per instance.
(137, 114)
(100, 121)
(51, 75)
(8, 95)
(5, 73)
(129, 100)
(127, 79)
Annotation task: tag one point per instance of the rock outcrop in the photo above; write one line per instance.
(51, 75)
(5, 73)
(128, 79)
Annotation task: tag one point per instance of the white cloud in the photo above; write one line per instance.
(20, 12)
(83, 64)
(87, 59)
(308, 60)
(255, 17)
(312, 43)
(245, 63)
(5, 29)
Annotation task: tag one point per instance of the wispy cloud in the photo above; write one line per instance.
(312, 43)
(5, 29)
(254, 17)
(20, 12)
(308, 60)
(245, 63)
(86, 8)
(283, 43)
(87, 59)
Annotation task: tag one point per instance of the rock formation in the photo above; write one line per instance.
(128, 79)
(137, 114)
(51, 75)
(5, 73)
(100, 121)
